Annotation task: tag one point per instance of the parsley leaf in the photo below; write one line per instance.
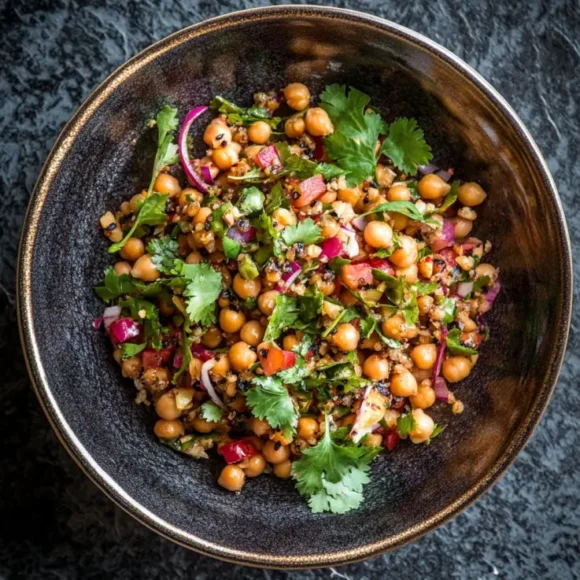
(453, 342)
(270, 400)
(332, 474)
(276, 199)
(480, 283)
(186, 350)
(448, 306)
(403, 207)
(203, 287)
(166, 122)
(301, 167)
(437, 430)
(423, 288)
(406, 145)
(297, 312)
(242, 115)
(211, 412)
(352, 145)
(115, 285)
(151, 213)
(164, 254)
(406, 424)
(129, 350)
(306, 232)
(450, 198)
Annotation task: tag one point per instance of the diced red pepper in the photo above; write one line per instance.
(153, 359)
(268, 157)
(236, 451)
(391, 439)
(310, 189)
(276, 360)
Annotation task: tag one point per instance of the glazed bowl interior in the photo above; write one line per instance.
(105, 155)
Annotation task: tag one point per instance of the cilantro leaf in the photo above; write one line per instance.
(203, 287)
(129, 350)
(332, 474)
(164, 254)
(297, 312)
(252, 176)
(270, 400)
(480, 283)
(166, 122)
(301, 167)
(306, 232)
(403, 207)
(406, 424)
(406, 145)
(328, 170)
(437, 430)
(186, 350)
(115, 285)
(147, 313)
(211, 412)
(423, 288)
(276, 199)
(151, 213)
(352, 145)
(450, 198)
(453, 342)
(449, 307)
(242, 115)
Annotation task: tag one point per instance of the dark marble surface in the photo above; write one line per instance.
(54, 523)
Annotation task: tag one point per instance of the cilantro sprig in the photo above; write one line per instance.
(166, 122)
(406, 145)
(203, 286)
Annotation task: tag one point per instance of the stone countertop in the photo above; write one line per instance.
(55, 524)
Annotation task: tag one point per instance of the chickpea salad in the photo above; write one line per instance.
(300, 296)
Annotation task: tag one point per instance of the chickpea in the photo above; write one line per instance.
(251, 151)
(424, 398)
(471, 194)
(131, 367)
(373, 440)
(411, 274)
(424, 426)
(259, 132)
(485, 270)
(307, 427)
(232, 478)
(406, 255)
(259, 426)
(222, 366)
(136, 201)
(144, 269)
(456, 368)
(283, 470)
(117, 355)
(168, 429)
(400, 221)
(217, 134)
(202, 215)
(391, 417)
(424, 304)
(350, 195)
(231, 320)
(203, 426)
(284, 217)
(252, 332)
(348, 420)
(225, 157)
(267, 301)
(424, 355)
(241, 356)
(346, 337)
(133, 249)
(246, 288)
(432, 187)
(328, 197)
(122, 268)
(297, 96)
(295, 127)
(393, 327)
(255, 465)
(165, 407)
(376, 368)
(461, 227)
(426, 267)
(318, 122)
(403, 384)
(378, 234)
(156, 379)
(291, 342)
(399, 192)
(166, 183)
(190, 195)
(275, 452)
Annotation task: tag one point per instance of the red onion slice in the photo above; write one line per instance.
(123, 330)
(444, 175)
(370, 412)
(200, 352)
(493, 292)
(360, 223)
(184, 153)
(352, 247)
(464, 288)
(426, 169)
(445, 239)
(111, 314)
(289, 277)
(206, 382)
(332, 248)
(206, 174)
(242, 237)
(441, 390)
(97, 322)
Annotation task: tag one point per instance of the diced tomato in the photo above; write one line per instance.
(391, 439)
(201, 353)
(236, 451)
(153, 359)
(448, 255)
(355, 275)
(268, 157)
(276, 360)
(310, 189)
(381, 264)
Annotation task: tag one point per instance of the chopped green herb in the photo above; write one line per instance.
(453, 342)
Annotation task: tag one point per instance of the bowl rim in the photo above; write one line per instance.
(26, 325)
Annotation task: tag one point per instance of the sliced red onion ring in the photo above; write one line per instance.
(206, 174)
(464, 288)
(242, 237)
(444, 175)
(332, 248)
(440, 354)
(370, 412)
(111, 314)
(123, 330)
(97, 322)
(493, 292)
(206, 382)
(429, 168)
(184, 153)
(445, 239)
(289, 277)
(360, 223)
(441, 390)
(352, 247)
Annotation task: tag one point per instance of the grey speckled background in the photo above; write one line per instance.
(54, 523)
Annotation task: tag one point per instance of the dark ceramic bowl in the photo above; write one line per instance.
(105, 154)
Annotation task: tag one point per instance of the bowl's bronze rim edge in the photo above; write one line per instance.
(35, 368)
